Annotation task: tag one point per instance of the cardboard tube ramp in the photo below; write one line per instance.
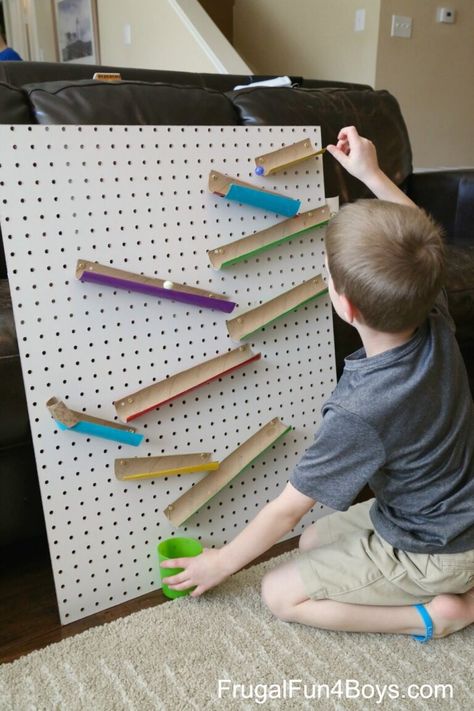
(67, 419)
(247, 194)
(248, 323)
(285, 157)
(177, 385)
(252, 245)
(165, 465)
(192, 500)
(164, 289)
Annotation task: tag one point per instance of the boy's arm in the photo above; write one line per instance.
(359, 157)
(214, 565)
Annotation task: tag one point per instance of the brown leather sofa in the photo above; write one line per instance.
(65, 94)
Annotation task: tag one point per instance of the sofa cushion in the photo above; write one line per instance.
(376, 114)
(21, 73)
(14, 424)
(8, 343)
(21, 513)
(465, 210)
(329, 83)
(460, 289)
(14, 105)
(128, 103)
(14, 427)
(455, 211)
(14, 108)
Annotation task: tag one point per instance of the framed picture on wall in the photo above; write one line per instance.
(77, 31)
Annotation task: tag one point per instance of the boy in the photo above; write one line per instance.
(400, 418)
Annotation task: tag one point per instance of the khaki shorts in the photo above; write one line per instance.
(352, 563)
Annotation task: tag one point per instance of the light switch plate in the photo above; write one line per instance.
(359, 20)
(401, 26)
(127, 34)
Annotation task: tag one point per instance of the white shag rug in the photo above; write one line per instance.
(226, 651)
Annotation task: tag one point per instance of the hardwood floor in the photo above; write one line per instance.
(29, 618)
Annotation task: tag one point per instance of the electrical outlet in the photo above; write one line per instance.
(401, 26)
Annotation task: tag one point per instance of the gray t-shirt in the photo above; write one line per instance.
(403, 422)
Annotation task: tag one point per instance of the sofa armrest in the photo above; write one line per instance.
(448, 195)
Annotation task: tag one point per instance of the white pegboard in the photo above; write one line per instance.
(136, 198)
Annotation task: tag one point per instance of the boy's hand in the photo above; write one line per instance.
(356, 154)
(203, 571)
(359, 157)
(212, 566)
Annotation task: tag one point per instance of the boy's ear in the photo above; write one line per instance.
(350, 311)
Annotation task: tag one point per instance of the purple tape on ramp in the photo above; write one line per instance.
(205, 302)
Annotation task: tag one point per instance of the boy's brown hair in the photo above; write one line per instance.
(388, 260)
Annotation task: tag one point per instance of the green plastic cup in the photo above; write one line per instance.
(176, 548)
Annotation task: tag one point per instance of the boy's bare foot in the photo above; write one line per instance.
(451, 613)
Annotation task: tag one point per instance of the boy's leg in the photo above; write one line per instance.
(309, 539)
(324, 532)
(284, 593)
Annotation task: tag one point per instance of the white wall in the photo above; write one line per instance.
(432, 76)
(166, 34)
(46, 41)
(311, 38)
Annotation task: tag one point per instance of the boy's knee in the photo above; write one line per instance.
(274, 598)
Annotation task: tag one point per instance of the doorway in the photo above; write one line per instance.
(3, 31)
